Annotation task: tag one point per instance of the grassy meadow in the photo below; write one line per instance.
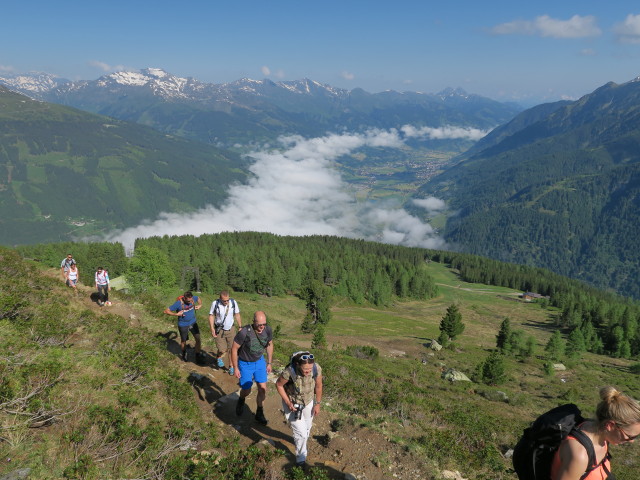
(82, 394)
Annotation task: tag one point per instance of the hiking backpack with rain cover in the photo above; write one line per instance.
(533, 455)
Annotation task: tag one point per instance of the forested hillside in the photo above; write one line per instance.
(66, 174)
(560, 190)
(328, 270)
(88, 394)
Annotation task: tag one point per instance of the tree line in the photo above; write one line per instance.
(322, 268)
(606, 322)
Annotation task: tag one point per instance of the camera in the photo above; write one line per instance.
(298, 412)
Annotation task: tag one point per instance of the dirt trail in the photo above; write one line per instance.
(363, 453)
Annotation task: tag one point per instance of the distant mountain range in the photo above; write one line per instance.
(246, 111)
(65, 173)
(557, 187)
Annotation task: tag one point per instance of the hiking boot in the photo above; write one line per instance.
(220, 363)
(200, 358)
(240, 406)
(231, 371)
(183, 355)
(260, 418)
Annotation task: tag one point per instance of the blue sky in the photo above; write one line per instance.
(506, 50)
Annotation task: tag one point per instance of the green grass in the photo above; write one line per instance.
(398, 393)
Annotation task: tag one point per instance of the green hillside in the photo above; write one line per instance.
(115, 402)
(556, 188)
(66, 174)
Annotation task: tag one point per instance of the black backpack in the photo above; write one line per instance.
(533, 455)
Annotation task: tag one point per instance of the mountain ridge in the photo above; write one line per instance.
(558, 187)
(246, 110)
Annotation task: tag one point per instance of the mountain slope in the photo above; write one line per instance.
(65, 173)
(562, 191)
(248, 110)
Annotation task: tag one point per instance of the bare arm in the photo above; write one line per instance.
(318, 392)
(238, 320)
(212, 319)
(280, 383)
(269, 356)
(234, 359)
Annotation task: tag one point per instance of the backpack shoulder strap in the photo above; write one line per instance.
(586, 442)
(292, 373)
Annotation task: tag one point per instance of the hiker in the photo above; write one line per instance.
(72, 277)
(185, 309)
(222, 315)
(247, 359)
(617, 421)
(300, 386)
(65, 265)
(102, 284)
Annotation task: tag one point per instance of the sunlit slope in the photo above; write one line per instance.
(65, 173)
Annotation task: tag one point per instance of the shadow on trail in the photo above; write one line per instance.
(208, 390)
(246, 425)
(173, 346)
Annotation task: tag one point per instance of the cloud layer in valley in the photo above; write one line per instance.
(296, 190)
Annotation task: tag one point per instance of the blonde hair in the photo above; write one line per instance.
(617, 407)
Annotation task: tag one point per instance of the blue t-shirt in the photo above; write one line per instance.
(189, 315)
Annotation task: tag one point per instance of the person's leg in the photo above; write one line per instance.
(245, 383)
(102, 293)
(260, 376)
(221, 345)
(300, 429)
(184, 335)
(196, 335)
(227, 339)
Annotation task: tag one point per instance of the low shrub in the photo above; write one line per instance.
(362, 351)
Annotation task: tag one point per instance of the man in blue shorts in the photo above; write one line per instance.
(249, 364)
(185, 309)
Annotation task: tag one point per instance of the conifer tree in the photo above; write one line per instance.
(502, 339)
(555, 346)
(451, 324)
(492, 371)
(319, 341)
(575, 343)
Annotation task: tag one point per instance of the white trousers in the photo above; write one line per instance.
(301, 429)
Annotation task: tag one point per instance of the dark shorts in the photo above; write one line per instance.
(184, 331)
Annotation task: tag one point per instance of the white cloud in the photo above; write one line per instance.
(105, 67)
(265, 71)
(297, 191)
(347, 75)
(431, 204)
(6, 68)
(545, 26)
(588, 52)
(447, 132)
(629, 30)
